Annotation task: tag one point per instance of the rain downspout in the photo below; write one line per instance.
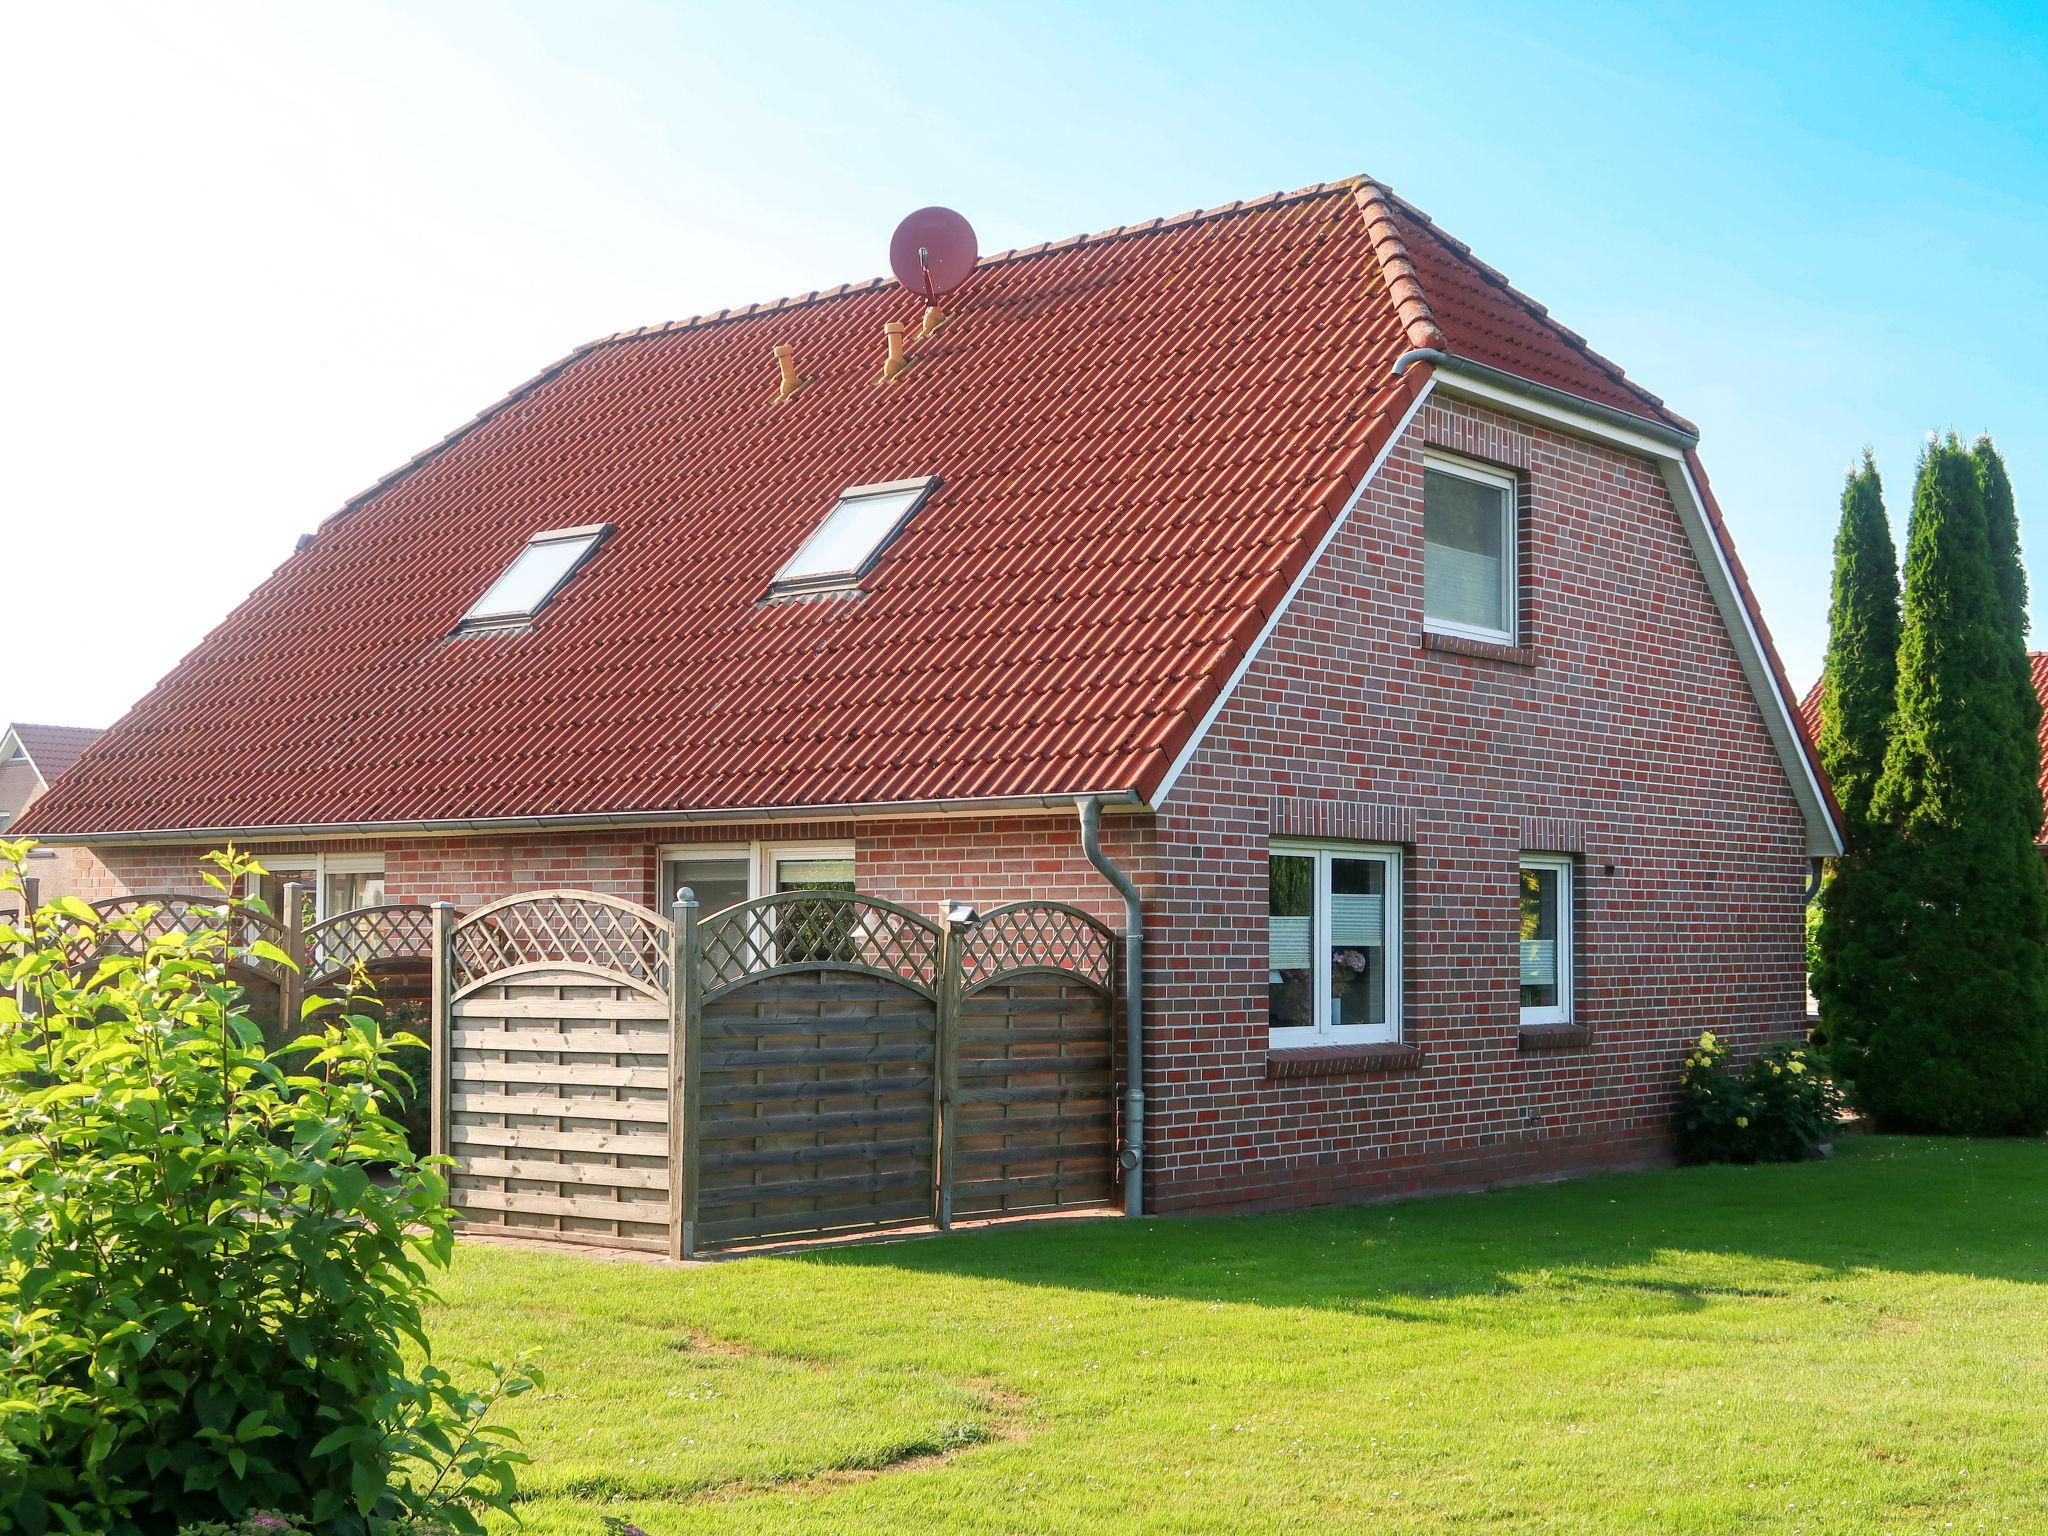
(1132, 1158)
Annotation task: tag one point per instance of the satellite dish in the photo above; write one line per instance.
(933, 252)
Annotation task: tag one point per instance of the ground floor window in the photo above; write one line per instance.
(1333, 944)
(723, 876)
(329, 883)
(1546, 939)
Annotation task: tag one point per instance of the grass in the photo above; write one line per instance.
(1854, 1346)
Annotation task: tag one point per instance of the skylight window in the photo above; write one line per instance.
(535, 575)
(846, 545)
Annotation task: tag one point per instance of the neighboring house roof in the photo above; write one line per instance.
(1141, 436)
(2037, 662)
(51, 748)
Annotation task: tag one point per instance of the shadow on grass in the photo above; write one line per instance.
(1904, 1205)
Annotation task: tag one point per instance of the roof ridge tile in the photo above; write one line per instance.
(1397, 268)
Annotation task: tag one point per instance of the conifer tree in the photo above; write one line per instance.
(1956, 1038)
(2002, 527)
(1858, 691)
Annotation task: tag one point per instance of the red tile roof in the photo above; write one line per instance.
(52, 748)
(1809, 717)
(1140, 434)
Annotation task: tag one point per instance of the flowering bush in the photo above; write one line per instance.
(1778, 1109)
(213, 1255)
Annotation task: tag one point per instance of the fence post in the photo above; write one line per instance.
(290, 981)
(685, 1074)
(31, 888)
(441, 1030)
(946, 1067)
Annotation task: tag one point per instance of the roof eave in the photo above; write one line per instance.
(1112, 799)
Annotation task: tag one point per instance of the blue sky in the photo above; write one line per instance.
(266, 253)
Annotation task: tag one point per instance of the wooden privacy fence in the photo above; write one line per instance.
(804, 1063)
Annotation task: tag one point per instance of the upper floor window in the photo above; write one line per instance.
(536, 574)
(1546, 939)
(1333, 944)
(1468, 550)
(847, 544)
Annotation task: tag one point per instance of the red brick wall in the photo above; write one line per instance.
(1632, 733)
(920, 863)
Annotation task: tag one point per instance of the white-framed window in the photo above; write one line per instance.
(1333, 943)
(1546, 938)
(536, 574)
(332, 882)
(724, 875)
(846, 545)
(1468, 549)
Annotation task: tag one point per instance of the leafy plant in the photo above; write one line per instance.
(1777, 1109)
(210, 1299)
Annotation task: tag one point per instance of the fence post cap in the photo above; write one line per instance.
(685, 897)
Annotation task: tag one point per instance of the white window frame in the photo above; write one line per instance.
(850, 579)
(590, 535)
(1510, 565)
(321, 865)
(1567, 904)
(762, 858)
(1322, 1032)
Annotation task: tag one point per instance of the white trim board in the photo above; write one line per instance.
(1822, 838)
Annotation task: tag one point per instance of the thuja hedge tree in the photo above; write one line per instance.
(1956, 1037)
(1858, 691)
(2002, 531)
(212, 1307)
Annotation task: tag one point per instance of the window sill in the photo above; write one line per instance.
(1555, 1037)
(1342, 1060)
(1490, 650)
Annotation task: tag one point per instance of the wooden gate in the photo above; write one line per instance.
(553, 1089)
(1030, 1068)
(810, 1039)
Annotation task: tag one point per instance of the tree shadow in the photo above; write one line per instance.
(1672, 1241)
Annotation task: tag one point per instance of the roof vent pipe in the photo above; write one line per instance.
(896, 362)
(1132, 1158)
(785, 359)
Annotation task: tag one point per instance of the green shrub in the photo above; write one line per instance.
(1777, 1109)
(209, 1299)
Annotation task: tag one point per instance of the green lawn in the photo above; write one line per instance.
(1854, 1346)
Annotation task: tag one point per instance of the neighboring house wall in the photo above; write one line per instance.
(1626, 735)
(65, 871)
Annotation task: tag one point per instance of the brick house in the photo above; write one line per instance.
(1395, 633)
(32, 758)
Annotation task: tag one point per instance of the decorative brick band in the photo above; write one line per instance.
(1477, 438)
(1346, 820)
(1342, 1060)
(1458, 645)
(1551, 834)
(1555, 1037)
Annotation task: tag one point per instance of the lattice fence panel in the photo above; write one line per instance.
(559, 1109)
(1037, 935)
(579, 926)
(176, 913)
(815, 1107)
(372, 937)
(805, 929)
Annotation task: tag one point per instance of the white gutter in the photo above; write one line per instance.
(971, 806)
